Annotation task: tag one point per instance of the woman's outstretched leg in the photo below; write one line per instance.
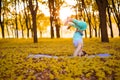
(78, 50)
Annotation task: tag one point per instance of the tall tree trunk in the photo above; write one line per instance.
(57, 30)
(109, 20)
(99, 32)
(116, 14)
(2, 28)
(26, 22)
(7, 25)
(57, 24)
(95, 26)
(51, 27)
(21, 23)
(20, 20)
(34, 28)
(85, 30)
(51, 4)
(33, 10)
(2, 20)
(16, 30)
(89, 21)
(56, 9)
(26, 18)
(102, 4)
(88, 16)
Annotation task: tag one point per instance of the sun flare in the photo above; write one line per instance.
(64, 11)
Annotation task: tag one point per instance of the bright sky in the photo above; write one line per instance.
(64, 12)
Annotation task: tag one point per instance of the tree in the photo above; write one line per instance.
(54, 7)
(57, 5)
(81, 12)
(4, 10)
(27, 18)
(16, 19)
(95, 19)
(2, 18)
(95, 23)
(33, 11)
(88, 16)
(42, 22)
(51, 7)
(109, 19)
(116, 12)
(102, 5)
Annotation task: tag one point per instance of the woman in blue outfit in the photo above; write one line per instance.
(77, 37)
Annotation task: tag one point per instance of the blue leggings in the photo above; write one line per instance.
(76, 42)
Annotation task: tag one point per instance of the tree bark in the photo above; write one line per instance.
(57, 30)
(116, 15)
(109, 20)
(16, 30)
(2, 20)
(51, 4)
(33, 13)
(95, 24)
(102, 4)
(88, 16)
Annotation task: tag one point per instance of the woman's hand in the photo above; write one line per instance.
(68, 20)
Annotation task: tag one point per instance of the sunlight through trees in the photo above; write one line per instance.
(23, 19)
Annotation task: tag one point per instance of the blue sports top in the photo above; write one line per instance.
(77, 36)
(81, 25)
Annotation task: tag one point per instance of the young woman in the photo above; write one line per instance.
(77, 37)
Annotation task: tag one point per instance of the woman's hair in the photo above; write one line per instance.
(84, 53)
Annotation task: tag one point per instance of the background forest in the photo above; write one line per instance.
(45, 18)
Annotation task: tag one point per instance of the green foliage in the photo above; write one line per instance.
(15, 65)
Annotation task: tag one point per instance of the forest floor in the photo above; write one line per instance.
(15, 64)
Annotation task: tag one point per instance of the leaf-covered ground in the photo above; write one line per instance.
(14, 64)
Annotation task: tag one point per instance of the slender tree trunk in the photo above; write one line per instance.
(89, 21)
(88, 16)
(16, 30)
(40, 34)
(30, 27)
(26, 18)
(85, 34)
(51, 27)
(2, 20)
(7, 28)
(57, 25)
(20, 20)
(21, 23)
(2, 28)
(22, 31)
(99, 32)
(51, 4)
(33, 10)
(85, 30)
(95, 26)
(34, 28)
(27, 32)
(26, 22)
(116, 15)
(57, 30)
(21, 26)
(109, 20)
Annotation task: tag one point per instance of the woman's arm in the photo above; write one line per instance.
(81, 25)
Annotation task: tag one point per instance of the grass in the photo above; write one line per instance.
(59, 46)
(16, 66)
